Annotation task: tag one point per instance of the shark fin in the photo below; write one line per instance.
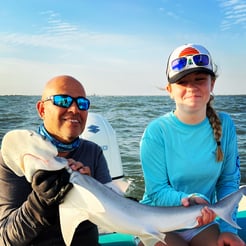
(119, 186)
(72, 212)
(74, 209)
(70, 218)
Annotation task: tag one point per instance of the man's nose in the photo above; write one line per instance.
(74, 107)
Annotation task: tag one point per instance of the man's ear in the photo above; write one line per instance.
(40, 109)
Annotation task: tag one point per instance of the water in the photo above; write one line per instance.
(128, 116)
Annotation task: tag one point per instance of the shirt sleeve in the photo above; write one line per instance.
(18, 225)
(158, 191)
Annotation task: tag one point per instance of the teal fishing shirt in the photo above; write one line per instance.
(180, 159)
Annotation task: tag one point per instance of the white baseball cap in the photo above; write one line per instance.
(187, 59)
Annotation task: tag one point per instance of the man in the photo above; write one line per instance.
(29, 212)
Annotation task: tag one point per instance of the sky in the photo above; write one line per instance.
(117, 47)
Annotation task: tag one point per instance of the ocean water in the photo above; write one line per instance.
(128, 116)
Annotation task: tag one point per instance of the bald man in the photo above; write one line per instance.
(29, 212)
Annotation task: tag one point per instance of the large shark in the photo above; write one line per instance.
(26, 151)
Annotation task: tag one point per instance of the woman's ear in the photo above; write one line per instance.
(40, 109)
(212, 84)
(169, 90)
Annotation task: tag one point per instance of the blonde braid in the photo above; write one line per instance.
(216, 125)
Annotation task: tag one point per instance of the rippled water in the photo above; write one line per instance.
(128, 116)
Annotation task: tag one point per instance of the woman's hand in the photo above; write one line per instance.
(207, 216)
(78, 166)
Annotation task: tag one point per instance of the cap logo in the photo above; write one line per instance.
(190, 62)
(190, 51)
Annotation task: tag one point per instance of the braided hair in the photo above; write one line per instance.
(217, 129)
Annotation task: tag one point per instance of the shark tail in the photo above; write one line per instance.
(225, 207)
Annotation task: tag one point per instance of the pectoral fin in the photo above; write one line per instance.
(119, 186)
(74, 210)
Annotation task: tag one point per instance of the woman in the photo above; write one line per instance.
(190, 155)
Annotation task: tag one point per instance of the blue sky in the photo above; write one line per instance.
(116, 47)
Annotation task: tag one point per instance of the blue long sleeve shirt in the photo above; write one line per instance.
(180, 159)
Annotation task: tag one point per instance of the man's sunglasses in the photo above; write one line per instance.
(199, 60)
(66, 101)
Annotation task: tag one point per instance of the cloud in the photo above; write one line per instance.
(54, 33)
(57, 34)
(56, 26)
(234, 14)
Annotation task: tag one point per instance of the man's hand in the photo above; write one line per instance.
(80, 167)
(51, 186)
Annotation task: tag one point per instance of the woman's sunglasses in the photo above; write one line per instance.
(66, 101)
(199, 60)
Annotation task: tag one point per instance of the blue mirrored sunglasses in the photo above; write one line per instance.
(199, 60)
(66, 101)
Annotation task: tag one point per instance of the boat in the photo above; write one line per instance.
(100, 131)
